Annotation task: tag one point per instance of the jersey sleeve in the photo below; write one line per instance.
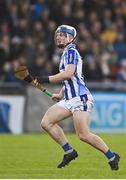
(72, 57)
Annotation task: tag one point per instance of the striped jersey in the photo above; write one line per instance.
(74, 86)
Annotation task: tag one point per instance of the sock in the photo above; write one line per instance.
(110, 155)
(67, 148)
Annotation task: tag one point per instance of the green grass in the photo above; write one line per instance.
(37, 155)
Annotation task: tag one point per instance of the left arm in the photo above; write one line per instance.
(66, 75)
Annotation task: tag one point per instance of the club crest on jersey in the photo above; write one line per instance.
(71, 57)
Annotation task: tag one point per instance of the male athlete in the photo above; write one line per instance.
(74, 99)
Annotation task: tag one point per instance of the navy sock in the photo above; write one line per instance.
(110, 155)
(67, 148)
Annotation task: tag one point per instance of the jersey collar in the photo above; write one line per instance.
(71, 45)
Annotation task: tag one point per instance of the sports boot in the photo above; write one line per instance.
(67, 158)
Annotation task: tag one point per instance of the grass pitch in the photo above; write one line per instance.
(37, 155)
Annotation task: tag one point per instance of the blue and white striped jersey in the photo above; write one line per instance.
(74, 86)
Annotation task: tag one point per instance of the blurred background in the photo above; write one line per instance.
(27, 30)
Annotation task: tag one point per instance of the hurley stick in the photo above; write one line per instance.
(22, 73)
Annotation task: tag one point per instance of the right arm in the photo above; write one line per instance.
(57, 97)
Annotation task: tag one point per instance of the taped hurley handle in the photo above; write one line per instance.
(43, 89)
(22, 73)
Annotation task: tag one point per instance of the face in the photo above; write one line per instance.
(61, 40)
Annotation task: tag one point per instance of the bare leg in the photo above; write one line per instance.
(82, 130)
(81, 127)
(49, 123)
(50, 120)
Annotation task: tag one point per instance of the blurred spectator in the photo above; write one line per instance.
(120, 46)
(3, 10)
(38, 68)
(27, 36)
(92, 69)
(37, 9)
(13, 15)
(4, 50)
(111, 34)
(121, 75)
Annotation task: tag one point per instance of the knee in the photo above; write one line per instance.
(84, 137)
(44, 125)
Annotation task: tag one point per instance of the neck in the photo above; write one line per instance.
(70, 45)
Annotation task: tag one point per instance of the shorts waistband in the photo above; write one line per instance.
(83, 97)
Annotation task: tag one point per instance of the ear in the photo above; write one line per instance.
(70, 38)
